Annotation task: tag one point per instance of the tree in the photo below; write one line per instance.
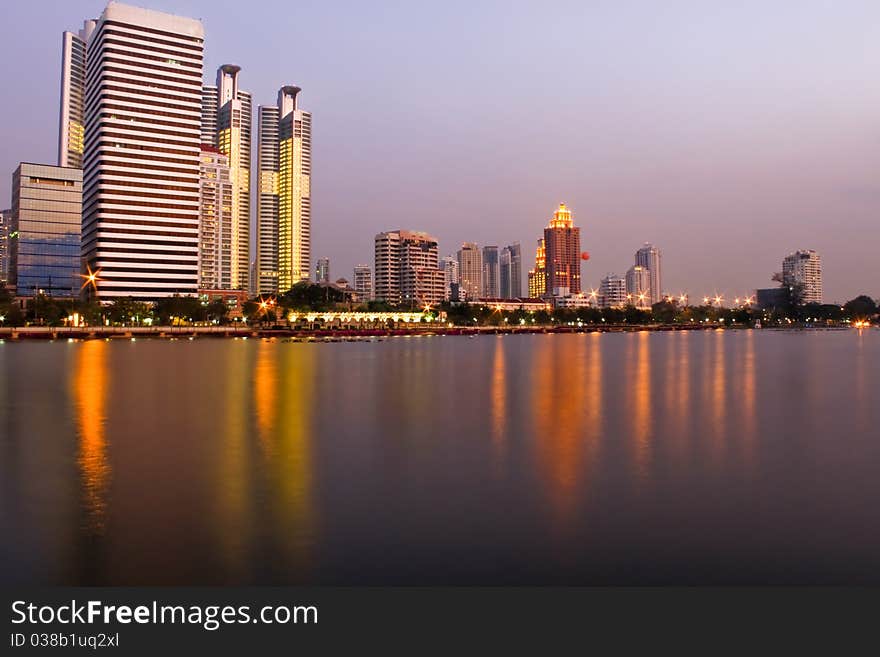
(664, 311)
(862, 307)
(217, 310)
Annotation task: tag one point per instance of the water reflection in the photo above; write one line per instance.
(639, 369)
(90, 385)
(499, 398)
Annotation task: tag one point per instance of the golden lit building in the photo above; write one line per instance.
(562, 241)
(538, 275)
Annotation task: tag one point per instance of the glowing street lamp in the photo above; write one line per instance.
(90, 278)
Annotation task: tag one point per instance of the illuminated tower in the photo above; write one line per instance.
(538, 275)
(638, 286)
(562, 241)
(470, 270)
(216, 219)
(71, 123)
(649, 258)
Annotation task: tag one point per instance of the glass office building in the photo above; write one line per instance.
(44, 234)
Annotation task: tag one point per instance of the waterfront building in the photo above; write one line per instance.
(44, 230)
(490, 286)
(71, 121)
(804, 268)
(407, 268)
(5, 221)
(538, 275)
(451, 279)
(527, 304)
(562, 242)
(575, 301)
(648, 257)
(142, 148)
(470, 270)
(363, 282)
(322, 270)
(284, 215)
(612, 292)
(216, 221)
(638, 286)
(511, 271)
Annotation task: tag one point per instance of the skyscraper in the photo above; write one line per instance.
(234, 121)
(638, 286)
(451, 279)
(562, 241)
(209, 115)
(141, 157)
(216, 221)
(363, 282)
(284, 216)
(511, 271)
(322, 271)
(491, 273)
(44, 233)
(407, 271)
(649, 257)
(470, 270)
(5, 221)
(538, 275)
(804, 269)
(71, 122)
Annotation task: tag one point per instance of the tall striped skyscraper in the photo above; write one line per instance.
(143, 106)
(284, 211)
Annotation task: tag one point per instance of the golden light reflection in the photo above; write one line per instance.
(640, 387)
(266, 392)
(718, 390)
(499, 398)
(90, 387)
(749, 395)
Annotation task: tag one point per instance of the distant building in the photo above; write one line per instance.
(649, 258)
(449, 266)
(44, 233)
(562, 242)
(575, 301)
(515, 304)
(491, 272)
(804, 268)
(511, 271)
(538, 275)
(363, 282)
(216, 214)
(638, 286)
(774, 297)
(612, 292)
(5, 220)
(470, 270)
(407, 268)
(322, 270)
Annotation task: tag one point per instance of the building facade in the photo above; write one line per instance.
(491, 278)
(142, 148)
(44, 232)
(322, 270)
(538, 276)
(470, 270)
(638, 286)
(363, 282)
(804, 268)
(407, 269)
(649, 257)
(216, 222)
(71, 122)
(612, 292)
(284, 214)
(451, 278)
(5, 221)
(510, 272)
(562, 242)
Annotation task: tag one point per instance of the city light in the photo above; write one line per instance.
(91, 278)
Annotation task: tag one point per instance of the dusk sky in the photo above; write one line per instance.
(727, 135)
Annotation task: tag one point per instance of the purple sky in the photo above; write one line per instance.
(727, 135)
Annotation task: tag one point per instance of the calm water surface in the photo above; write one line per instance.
(705, 457)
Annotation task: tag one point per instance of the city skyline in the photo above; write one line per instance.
(753, 206)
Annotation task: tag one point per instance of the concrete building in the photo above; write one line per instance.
(44, 232)
(638, 286)
(451, 278)
(562, 242)
(5, 221)
(284, 210)
(804, 268)
(612, 292)
(407, 268)
(322, 270)
(71, 121)
(363, 282)
(142, 151)
(470, 270)
(491, 279)
(511, 271)
(216, 222)
(649, 257)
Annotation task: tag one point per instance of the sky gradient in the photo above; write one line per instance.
(728, 136)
